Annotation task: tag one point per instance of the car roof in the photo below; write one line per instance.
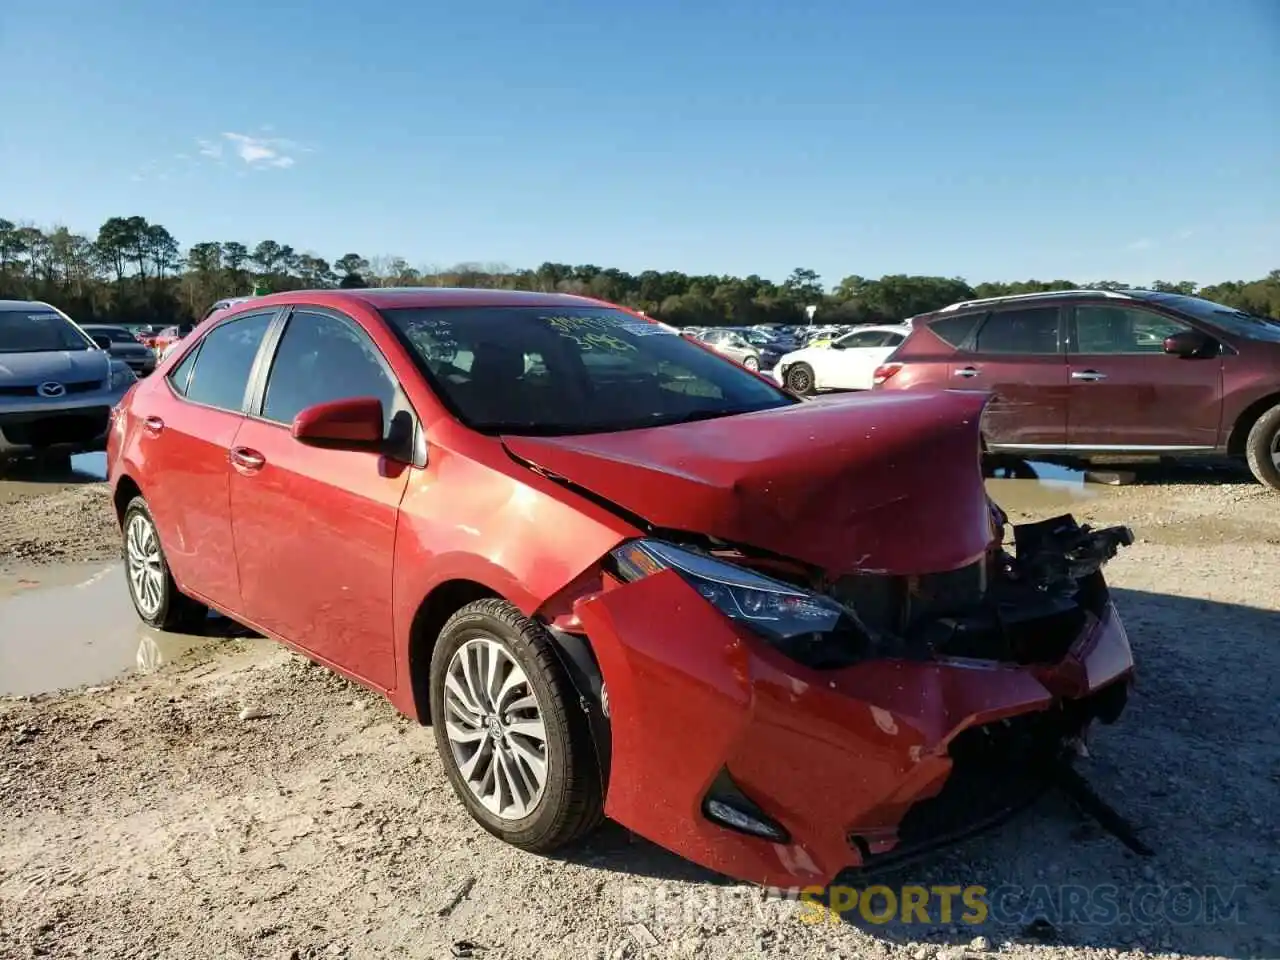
(390, 298)
(24, 305)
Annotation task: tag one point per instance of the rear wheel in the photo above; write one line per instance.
(800, 379)
(1262, 448)
(152, 589)
(515, 744)
(751, 363)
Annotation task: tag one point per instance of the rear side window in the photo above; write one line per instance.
(322, 358)
(180, 374)
(956, 330)
(1029, 331)
(224, 361)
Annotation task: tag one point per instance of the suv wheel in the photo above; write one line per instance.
(799, 379)
(1262, 448)
(514, 742)
(155, 596)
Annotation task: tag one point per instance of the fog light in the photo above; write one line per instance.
(728, 806)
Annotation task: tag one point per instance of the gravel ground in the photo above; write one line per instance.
(146, 818)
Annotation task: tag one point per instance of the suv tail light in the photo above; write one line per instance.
(884, 372)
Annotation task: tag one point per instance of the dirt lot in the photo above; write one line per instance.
(145, 818)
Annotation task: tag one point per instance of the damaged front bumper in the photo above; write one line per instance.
(738, 757)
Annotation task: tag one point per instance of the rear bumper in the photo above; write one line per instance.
(856, 765)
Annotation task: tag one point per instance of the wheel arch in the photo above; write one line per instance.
(441, 603)
(1245, 421)
(126, 489)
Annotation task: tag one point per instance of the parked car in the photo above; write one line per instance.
(57, 385)
(1107, 372)
(846, 363)
(123, 345)
(619, 574)
(731, 344)
(169, 335)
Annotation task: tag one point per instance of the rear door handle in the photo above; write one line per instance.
(1087, 375)
(246, 460)
(153, 425)
(967, 372)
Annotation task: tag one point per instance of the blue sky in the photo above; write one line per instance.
(990, 139)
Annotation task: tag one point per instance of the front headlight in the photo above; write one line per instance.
(121, 376)
(809, 627)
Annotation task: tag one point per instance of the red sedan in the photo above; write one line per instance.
(621, 575)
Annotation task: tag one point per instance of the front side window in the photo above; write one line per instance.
(39, 330)
(1027, 331)
(321, 359)
(863, 338)
(1108, 329)
(563, 370)
(223, 361)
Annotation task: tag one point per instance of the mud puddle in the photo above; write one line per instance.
(29, 478)
(71, 626)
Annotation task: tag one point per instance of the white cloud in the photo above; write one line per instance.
(262, 152)
(210, 148)
(1184, 234)
(1143, 244)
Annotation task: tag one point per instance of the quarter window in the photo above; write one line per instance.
(954, 331)
(1107, 329)
(223, 361)
(321, 359)
(1029, 331)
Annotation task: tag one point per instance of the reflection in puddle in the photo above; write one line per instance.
(59, 635)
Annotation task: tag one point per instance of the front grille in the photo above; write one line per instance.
(899, 604)
(81, 386)
(34, 430)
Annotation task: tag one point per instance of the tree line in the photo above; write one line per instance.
(134, 271)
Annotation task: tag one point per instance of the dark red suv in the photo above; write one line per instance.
(1087, 372)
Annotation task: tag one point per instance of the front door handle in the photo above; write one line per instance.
(246, 460)
(1089, 375)
(967, 372)
(153, 425)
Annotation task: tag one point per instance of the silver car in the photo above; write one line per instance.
(57, 385)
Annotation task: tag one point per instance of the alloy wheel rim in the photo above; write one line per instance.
(494, 725)
(751, 363)
(799, 381)
(146, 569)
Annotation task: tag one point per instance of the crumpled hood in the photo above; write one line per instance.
(874, 482)
(60, 366)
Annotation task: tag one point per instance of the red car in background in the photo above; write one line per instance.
(1106, 372)
(621, 575)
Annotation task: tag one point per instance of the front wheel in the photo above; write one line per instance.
(152, 589)
(1262, 448)
(752, 364)
(514, 742)
(800, 379)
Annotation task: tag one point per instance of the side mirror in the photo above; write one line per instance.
(352, 424)
(1187, 344)
(104, 343)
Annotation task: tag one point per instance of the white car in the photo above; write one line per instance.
(847, 363)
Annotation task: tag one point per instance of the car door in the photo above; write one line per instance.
(315, 528)
(183, 441)
(1016, 354)
(850, 362)
(1127, 393)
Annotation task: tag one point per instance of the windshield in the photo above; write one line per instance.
(114, 334)
(36, 330)
(1230, 319)
(562, 370)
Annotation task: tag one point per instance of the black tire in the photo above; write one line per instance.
(571, 803)
(751, 363)
(56, 462)
(175, 611)
(1262, 448)
(799, 379)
